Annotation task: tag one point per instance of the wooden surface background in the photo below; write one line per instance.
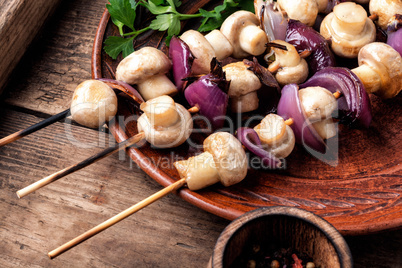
(20, 21)
(169, 233)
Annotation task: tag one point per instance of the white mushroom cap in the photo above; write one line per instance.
(242, 80)
(380, 69)
(292, 68)
(147, 67)
(170, 136)
(349, 29)
(229, 156)
(142, 64)
(277, 137)
(385, 9)
(223, 48)
(201, 49)
(243, 87)
(243, 32)
(317, 102)
(93, 103)
(303, 10)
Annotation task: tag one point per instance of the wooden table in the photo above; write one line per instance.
(169, 233)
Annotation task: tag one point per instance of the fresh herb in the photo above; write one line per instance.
(123, 14)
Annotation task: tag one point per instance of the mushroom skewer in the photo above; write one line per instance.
(91, 99)
(163, 113)
(224, 160)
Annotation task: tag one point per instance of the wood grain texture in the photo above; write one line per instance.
(62, 60)
(20, 21)
(38, 223)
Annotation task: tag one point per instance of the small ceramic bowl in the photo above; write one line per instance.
(275, 228)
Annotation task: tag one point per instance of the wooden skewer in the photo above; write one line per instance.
(274, 67)
(373, 17)
(22, 133)
(194, 109)
(64, 172)
(305, 53)
(122, 215)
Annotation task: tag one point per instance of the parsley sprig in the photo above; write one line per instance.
(167, 18)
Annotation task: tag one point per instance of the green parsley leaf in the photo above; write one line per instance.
(114, 45)
(214, 19)
(162, 22)
(246, 5)
(123, 11)
(119, 25)
(157, 9)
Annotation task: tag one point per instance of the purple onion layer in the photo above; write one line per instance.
(249, 138)
(208, 93)
(304, 38)
(290, 107)
(354, 104)
(182, 60)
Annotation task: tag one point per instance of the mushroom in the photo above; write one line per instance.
(223, 48)
(385, 10)
(277, 137)
(243, 87)
(223, 160)
(290, 68)
(201, 49)
(318, 104)
(304, 11)
(380, 70)
(93, 103)
(348, 28)
(243, 32)
(165, 124)
(147, 68)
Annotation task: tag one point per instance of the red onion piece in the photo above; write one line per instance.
(270, 92)
(304, 38)
(394, 32)
(124, 87)
(249, 138)
(290, 107)
(273, 22)
(208, 93)
(354, 104)
(182, 60)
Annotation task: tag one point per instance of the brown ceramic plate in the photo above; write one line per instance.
(360, 195)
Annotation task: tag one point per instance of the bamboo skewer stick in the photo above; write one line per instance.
(122, 215)
(22, 133)
(64, 172)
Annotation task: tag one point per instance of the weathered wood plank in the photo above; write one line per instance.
(59, 60)
(20, 21)
(166, 234)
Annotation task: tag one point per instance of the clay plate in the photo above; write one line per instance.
(360, 194)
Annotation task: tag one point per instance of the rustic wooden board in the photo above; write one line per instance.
(20, 21)
(62, 59)
(38, 223)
